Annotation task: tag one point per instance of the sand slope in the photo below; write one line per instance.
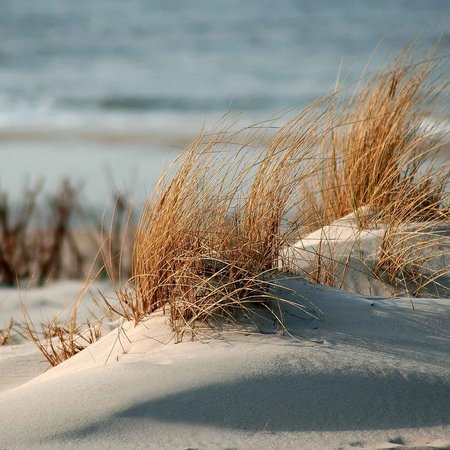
(372, 370)
(348, 256)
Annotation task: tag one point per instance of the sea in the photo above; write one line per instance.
(109, 92)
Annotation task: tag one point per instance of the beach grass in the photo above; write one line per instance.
(208, 244)
(35, 235)
(59, 340)
(377, 151)
(209, 237)
(5, 335)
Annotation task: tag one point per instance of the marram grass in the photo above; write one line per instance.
(208, 243)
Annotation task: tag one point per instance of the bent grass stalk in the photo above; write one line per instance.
(209, 239)
(5, 335)
(58, 342)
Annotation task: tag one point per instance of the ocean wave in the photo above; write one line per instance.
(168, 103)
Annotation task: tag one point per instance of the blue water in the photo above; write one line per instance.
(74, 72)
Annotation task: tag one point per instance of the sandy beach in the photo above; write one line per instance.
(224, 225)
(373, 370)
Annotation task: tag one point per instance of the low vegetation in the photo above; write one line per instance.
(378, 152)
(60, 340)
(208, 244)
(47, 237)
(33, 239)
(209, 237)
(5, 335)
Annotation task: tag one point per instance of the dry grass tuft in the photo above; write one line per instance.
(5, 335)
(208, 244)
(116, 240)
(209, 239)
(378, 155)
(46, 238)
(60, 340)
(378, 152)
(416, 258)
(31, 241)
(57, 341)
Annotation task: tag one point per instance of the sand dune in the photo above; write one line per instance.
(372, 370)
(350, 254)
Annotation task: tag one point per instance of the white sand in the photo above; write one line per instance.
(21, 361)
(372, 370)
(45, 303)
(352, 254)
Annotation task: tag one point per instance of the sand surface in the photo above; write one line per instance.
(348, 257)
(371, 370)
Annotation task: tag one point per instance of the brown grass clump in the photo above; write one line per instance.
(60, 340)
(31, 241)
(52, 237)
(116, 240)
(379, 154)
(57, 341)
(416, 258)
(209, 239)
(5, 335)
(14, 254)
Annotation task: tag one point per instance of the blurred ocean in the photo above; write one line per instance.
(89, 88)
